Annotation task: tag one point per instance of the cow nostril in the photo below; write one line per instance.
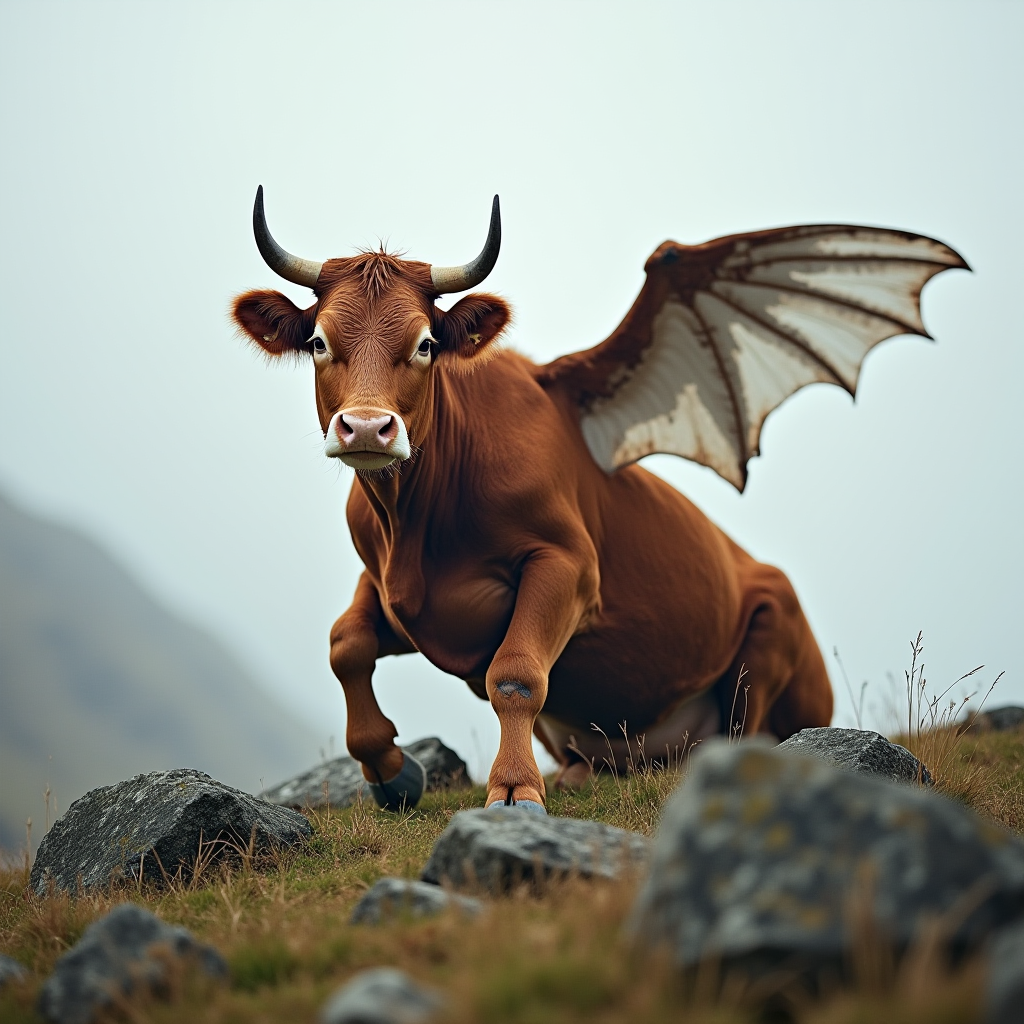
(356, 431)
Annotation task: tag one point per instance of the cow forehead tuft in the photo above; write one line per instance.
(375, 274)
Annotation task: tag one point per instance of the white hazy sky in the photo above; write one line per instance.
(134, 136)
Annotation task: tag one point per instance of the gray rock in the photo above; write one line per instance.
(445, 769)
(156, 823)
(860, 750)
(335, 783)
(999, 719)
(1004, 992)
(762, 854)
(383, 995)
(403, 895)
(126, 950)
(341, 779)
(500, 846)
(11, 970)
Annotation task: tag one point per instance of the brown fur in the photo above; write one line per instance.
(504, 553)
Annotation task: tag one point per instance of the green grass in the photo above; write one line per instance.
(282, 925)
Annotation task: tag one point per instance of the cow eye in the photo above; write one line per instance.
(425, 349)
(319, 345)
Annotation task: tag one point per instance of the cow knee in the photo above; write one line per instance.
(517, 688)
(353, 649)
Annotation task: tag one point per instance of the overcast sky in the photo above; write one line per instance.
(133, 139)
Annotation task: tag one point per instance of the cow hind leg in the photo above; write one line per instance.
(777, 683)
(806, 702)
(574, 775)
(573, 771)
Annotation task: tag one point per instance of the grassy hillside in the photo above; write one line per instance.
(557, 957)
(99, 682)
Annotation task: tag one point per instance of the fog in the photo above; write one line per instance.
(134, 137)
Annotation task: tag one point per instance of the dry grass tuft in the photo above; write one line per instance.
(936, 736)
(988, 775)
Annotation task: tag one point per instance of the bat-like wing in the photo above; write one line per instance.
(722, 333)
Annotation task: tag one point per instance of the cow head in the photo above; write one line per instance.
(375, 337)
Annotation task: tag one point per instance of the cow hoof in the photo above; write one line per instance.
(403, 792)
(527, 805)
(574, 776)
(532, 806)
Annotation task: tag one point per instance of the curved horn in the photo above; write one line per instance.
(290, 267)
(458, 279)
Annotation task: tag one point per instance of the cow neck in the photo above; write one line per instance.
(404, 502)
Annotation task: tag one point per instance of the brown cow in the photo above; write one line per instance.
(507, 534)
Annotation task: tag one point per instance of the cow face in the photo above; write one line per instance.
(376, 339)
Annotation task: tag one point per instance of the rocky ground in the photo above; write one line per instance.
(266, 933)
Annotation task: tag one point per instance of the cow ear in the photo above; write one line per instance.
(467, 330)
(273, 322)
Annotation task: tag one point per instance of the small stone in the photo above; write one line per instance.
(340, 783)
(156, 824)
(497, 847)
(11, 970)
(1004, 994)
(125, 950)
(391, 896)
(383, 995)
(860, 750)
(763, 856)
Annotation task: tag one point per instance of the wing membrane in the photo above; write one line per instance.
(891, 289)
(650, 412)
(722, 333)
(838, 336)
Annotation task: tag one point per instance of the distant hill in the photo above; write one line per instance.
(99, 682)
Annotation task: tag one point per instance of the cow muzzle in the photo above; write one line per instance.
(367, 438)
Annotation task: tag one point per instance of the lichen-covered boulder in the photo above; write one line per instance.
(390, 896)
(339, 782)
(763, 855)
(156, 825)
(126, 950)
(860, 750)
(496, 847)
(381, 995)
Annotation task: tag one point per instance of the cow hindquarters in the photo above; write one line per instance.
(777, 682)
(557, 589)
(358, 638)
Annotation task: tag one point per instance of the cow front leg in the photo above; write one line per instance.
(358, 638)
(557, 590)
